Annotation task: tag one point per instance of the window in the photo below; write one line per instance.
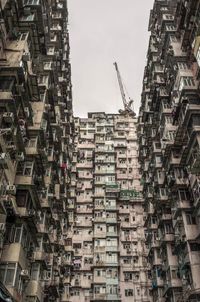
(25, 168)
(183, 195)
(32, 2)
(32, 142)
(127, 261)
(47, 65)
(170, 28)
(35, 271)
(170, 135)
(15, 234)
(158, 159)
(128, 276)
(168, 120)
(182, 65)
(76, 292)
(186, 81)
(129, 292)
(9, 274)
(98, 273)
(112, 289)
(97, 290)
(168, 229)
(18, 234)
(194, 247)
(190, 219)
(163, 192)
(173, 38)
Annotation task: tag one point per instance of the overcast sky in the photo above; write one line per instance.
(101, 32)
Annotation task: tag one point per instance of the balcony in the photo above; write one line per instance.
(98, 234)
(167, 237)
(154, 243)
(174, 283)
(42, 228)
(99, 263)
(112, 248)
(10, 205)
(111, 234)
(112, 187)
(166, 109)
(100, 249)
(99, 297)
(128, 252)
(111, 220)
(191, 231)
(175, 158)
(190, 292)
(99, 279)
(180, 205)
(195, 165)
(34, 288)
(41, 256)
(84, 165)
(25, 175)
(14, 252)
(165, 217)
(110, 207)
(113, 297)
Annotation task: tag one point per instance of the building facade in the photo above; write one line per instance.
(36, 135)
(106, 240)
(169, 138)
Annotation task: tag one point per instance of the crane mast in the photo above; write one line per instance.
(127, 104)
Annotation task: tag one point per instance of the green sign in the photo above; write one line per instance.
(112, 185)
(129, 193)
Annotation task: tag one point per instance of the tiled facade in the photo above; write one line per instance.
(36, 127)
(169, 138)
(106, 242)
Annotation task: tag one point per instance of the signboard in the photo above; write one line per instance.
(129, 194)
(112, 187)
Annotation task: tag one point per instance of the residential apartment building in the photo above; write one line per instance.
(106, 241)
(169, 139)
(36, 135)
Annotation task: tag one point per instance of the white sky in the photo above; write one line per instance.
(101, 32)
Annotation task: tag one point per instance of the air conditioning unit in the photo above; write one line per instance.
(19, 156)
(39, 177)
(27, 112)
(3, 157)
(31, 212)
(47, 106)
(27, 11)
(24, 273)
(8, 117)
(11, 189)
(26, 57)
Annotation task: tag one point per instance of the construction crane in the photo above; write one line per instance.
(128, 109)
